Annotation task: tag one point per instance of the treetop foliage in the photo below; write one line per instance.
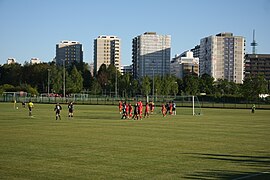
(108, 81)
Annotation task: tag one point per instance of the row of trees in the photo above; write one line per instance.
(108, 81)
(39, 76)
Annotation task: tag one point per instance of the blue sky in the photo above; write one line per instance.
(32, 28)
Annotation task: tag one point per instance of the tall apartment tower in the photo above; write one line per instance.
(151, 55)
(68, 52)
(107, 51)
(222, 57)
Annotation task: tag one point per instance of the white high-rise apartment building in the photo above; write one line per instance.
(68, 52)
(107, 51)
(182, 66)
(222, 57)
(35, 61)
(11, 61)
(151, 55)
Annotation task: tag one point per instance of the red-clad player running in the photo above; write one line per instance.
(171, 107)
(127, 110)
(146, 112)
(130, 110)
(120, 107)
(141, 109)
(163, 110)
(152, 107)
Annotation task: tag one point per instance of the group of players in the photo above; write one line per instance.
(168, 108)
(57, 109)
(126, 109)
(135, 112)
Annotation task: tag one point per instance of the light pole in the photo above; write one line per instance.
(153, 91)
(64, 79)
(49, 82)
(105, 89)
(115, 82)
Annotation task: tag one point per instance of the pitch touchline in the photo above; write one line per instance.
(252, 175)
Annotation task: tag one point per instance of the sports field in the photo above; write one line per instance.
(97, 144)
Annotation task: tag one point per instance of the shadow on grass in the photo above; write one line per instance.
(257, 162)
(230, 175)
(91, 117)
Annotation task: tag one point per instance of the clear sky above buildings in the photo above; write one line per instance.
(32, 28)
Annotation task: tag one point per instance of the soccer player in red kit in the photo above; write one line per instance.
(163, 110)
(171, 107)
(141, 109)
(146, 112)
(120, 107)
(130, 110)
(127, 110)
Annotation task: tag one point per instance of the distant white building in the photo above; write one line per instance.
(91, 68)
(184, 65)
(222, 57)
(126, 69)
(151, 55)
(35, 61)
(11, 61)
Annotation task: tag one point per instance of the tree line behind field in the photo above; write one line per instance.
(34, 80)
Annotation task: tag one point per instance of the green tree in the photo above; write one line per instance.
(102, 76)
(222, 87)
(11, 74)
(146, 88)
(191, 85)
(135, 87)
(124, 84)
(74, 81)
(113, 73)
(180, 84)
(158, 85)
(174, 88)
(6, 88)
(36, 75)
(87, 77)
(28, 88)
(206, 84)
(253, 86)
(96, 88)
(166, 86)
(57, 80)
(260, 84)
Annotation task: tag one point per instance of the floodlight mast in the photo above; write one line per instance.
(116, 82)
(64, 79)
(49, 82)
(193, 106)
(254, 43)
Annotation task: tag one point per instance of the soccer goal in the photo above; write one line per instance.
(188, 105)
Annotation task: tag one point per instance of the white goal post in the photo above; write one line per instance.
(189, 104)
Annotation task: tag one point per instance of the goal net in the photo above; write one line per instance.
(188, 105)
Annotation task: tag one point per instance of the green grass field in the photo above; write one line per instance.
(97, 144)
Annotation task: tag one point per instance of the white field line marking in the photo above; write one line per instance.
(252, 175)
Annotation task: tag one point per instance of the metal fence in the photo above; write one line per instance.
(203, 102)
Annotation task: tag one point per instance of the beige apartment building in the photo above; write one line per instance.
(107, 51)
(222, 57)
(151, 54)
